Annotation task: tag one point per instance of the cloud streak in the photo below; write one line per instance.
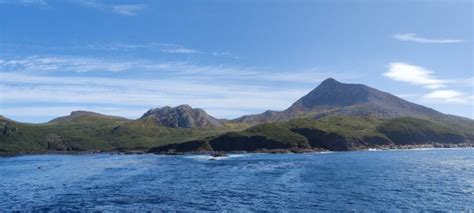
(220, 98)
(447, 95)
(414, 38)
(40, 3)
(415, 75)
(128, 9)
(176, 70)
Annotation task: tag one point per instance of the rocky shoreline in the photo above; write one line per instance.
(262, 151)
(310, 150)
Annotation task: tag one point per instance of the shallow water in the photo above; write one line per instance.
(434, 179)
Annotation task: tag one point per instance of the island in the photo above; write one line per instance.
(334, 116)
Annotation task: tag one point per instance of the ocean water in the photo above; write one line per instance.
(433, 179)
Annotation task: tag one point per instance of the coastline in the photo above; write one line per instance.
(260, 151)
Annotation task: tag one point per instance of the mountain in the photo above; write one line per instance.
(338, 116)
(80, 116)
(332, 97)
(183, 116)
(334, 116)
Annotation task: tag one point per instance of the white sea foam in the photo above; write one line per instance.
(209, 157)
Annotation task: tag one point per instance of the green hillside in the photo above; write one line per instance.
(87, 133)
(338, 133)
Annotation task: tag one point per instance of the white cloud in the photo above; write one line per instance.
(443, 94)
(225, 91)
(123, 47)
(57, 111)
(128, 9)
(76, 64)
(122, 9)
(40, 3)
(448, 96)
(414, 38)
(180, 50)
(179, 70)
(221, 98)
(163, 47)
(415, 75)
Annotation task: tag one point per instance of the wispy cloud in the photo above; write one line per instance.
(225, 91)
(447, 95)
(176, 69)
(178, 49)
(218, 97)
(128, 9)
(413, 37)
(122, 9)
(118, 8)
(167, 48)
(56, 111)
(415, 75)
(162, 47)
(218, 89)
(76, 64)
(40, 3)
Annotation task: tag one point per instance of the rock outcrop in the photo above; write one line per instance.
(183, 116)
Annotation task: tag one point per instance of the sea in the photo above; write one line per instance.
(358, 181)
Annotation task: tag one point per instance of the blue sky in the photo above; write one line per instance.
(230, 58)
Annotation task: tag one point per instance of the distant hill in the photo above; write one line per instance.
(81, 116)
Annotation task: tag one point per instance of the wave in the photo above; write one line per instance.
(209, 157)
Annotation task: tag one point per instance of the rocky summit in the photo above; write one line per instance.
(332, 97)
(183, 116)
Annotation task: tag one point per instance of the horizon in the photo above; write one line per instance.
(230, 59)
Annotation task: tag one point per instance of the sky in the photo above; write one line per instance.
(230, 58)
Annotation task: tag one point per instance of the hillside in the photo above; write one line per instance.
(338, 133)
(333, 116)
(335, 98)
(91, 132)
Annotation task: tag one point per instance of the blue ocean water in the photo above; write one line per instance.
(434, 179)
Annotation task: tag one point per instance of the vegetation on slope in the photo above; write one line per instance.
(90, 132)
(336, 133)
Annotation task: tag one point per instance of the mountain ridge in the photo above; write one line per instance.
(333, 97)
(333, 116)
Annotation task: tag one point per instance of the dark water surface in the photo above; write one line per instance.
(436, 179)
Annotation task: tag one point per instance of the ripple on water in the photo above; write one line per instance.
(409, 180)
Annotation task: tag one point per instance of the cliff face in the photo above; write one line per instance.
(182, 116)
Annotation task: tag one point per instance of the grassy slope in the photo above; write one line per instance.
(91, 133)
(342, 133)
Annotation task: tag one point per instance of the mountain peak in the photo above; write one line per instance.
(82, 112)
(330, 81)
(332, 93)
(335, 98)
(181, 116)
(79, 114)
